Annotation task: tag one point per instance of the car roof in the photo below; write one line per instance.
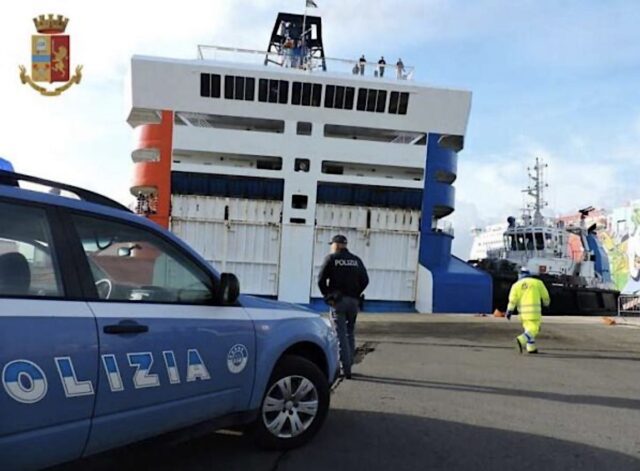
(49, 199)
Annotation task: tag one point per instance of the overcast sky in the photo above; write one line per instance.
(559, 80)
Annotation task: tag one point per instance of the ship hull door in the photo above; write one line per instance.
(236, 235)
(386, 239)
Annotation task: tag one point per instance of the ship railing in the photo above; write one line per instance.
(629, 305)
(315, 65)
(407, 138)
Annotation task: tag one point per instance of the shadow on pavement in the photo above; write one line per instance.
(357, 440)
(607, 401)
(588, 354)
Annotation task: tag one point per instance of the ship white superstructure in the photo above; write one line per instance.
(257, 165)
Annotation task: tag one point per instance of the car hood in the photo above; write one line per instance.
(256, 302)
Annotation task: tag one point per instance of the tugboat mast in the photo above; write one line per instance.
(536, 189)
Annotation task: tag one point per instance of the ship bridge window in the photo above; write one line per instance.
(306, 94)
(239, 88)
(273, 91)
(210, 85)
(515, 242)
(398, 103)
(340, 98)
(370, 99)
(539, 241)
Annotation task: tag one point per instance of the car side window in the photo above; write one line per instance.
(133, 264)
(28, 265)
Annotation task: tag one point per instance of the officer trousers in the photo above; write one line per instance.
(531, 326)
(345, 312)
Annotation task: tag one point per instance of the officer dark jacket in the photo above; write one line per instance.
(342, 274)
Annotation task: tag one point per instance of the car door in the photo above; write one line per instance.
(48, 343)
(169, 356)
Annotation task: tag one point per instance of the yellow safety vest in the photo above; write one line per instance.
(527, 295)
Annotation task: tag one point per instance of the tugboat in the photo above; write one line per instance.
(569, 260)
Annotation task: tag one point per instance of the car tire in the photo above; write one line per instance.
(294, 405)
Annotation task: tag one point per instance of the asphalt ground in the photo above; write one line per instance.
(452, 393)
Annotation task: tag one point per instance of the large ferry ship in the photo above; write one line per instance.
(257, 158)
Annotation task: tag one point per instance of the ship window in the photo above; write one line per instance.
(205, 85)
(306, 94)
(362, 99)
(372, 96)
(529, 238)
(329, 96)
(339, 103)
(263, 84)
(368, 99)
(382, 101)
(249, 89)
(317, 93)
(348, 100)
(274, 86)
(393, 102)
(339, 97)
(296, 93)
(273, 91)
(299, 201)
(283, 94)
(303, 128)
(302, 165)
(210, 85)
(215, 86)
(239, 88)
(404, 103)
(228, 87)
(539, 241)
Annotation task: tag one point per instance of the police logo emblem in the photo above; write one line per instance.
(237, 358)
(50, 56)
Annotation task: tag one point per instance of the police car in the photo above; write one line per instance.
(113, 330)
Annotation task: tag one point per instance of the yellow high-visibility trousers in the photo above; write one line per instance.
(531, 326)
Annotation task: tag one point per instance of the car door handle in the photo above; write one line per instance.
(126, 327)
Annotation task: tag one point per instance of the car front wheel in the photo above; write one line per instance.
(294, 406)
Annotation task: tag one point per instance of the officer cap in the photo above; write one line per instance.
(338, 239)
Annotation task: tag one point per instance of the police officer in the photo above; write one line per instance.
(342, 280)
(528, 295)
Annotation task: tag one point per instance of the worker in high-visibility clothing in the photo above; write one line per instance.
(528, 295)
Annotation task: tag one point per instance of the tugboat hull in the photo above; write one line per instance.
(565, 300)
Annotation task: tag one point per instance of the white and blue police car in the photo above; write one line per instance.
(113, 330)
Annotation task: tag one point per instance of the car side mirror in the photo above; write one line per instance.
(229, 289)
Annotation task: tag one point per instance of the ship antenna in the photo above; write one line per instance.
(535, 190)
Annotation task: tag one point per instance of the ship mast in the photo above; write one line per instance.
(535, 190)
